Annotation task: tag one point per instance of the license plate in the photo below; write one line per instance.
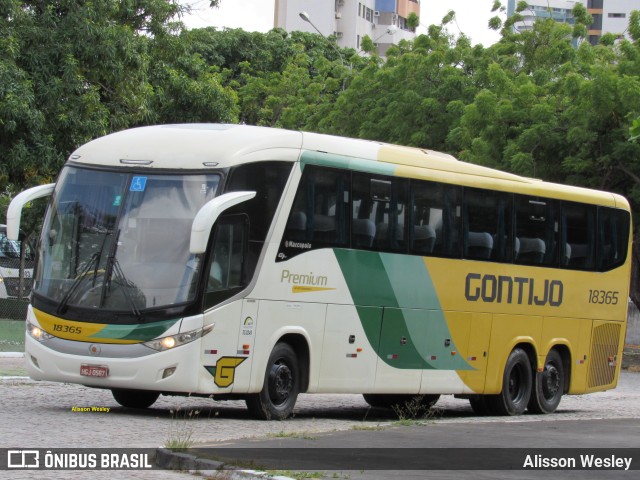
(94, 371)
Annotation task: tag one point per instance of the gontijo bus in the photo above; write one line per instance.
(251, 263)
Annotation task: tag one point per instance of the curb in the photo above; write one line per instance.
(11, 354)
(170, 460)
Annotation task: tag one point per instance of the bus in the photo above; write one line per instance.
(251, 263)
(16, 267)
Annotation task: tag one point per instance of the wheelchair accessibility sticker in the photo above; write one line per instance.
(138, 184)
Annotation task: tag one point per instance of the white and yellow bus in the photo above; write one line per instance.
(251, 263)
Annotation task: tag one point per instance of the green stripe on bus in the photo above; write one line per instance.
(399, 310)
(344, 162)
(142, 333)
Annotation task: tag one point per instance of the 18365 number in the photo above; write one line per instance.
(603, 297)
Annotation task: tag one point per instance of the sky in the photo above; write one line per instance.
(472, 16)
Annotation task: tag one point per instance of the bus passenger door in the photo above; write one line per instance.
(349, 350)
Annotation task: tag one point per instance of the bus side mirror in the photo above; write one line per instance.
(207, 216)
(14, 212)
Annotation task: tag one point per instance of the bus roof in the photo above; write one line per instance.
(206, 146)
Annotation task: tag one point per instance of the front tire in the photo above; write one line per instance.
(135, 398)
(516, 386)
(548, 386)
(281, 386)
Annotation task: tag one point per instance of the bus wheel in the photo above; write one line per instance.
(281, 386)
(479, 405)
(549, 385)
(516, 385)
(134, 398)
(392, 400)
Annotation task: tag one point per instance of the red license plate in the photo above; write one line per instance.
(94, 371)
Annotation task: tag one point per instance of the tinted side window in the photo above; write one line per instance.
(435, 219)
(318, 217)
(536, 240)
(268, 180)
(378, 213)
(487, 225)
(578, 245)
(613, 237)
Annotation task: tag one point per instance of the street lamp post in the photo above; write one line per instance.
(305, 16)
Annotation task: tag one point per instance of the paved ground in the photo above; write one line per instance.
(40, 414)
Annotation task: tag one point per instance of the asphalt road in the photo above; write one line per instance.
(42, 415)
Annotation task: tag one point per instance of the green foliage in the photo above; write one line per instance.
(367, 45)
(413, 21)
(543, 102)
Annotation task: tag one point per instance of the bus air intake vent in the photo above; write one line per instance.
(604, 351)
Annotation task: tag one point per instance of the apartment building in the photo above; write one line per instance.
(609, 16)
(384, 21)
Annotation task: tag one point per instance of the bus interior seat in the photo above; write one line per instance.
(424, 238)
(581, 255)
(532, 250)
(324, 228)
(364, 231)
(382, 238)
(480, 244)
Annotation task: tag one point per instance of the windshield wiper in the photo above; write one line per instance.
(113, 266)
(94, 260)
(62, 306)
(125, 285)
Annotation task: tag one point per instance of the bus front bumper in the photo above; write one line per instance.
(174, 370)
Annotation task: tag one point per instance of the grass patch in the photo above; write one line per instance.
(416, 411)
(12, 335)
(179, 436)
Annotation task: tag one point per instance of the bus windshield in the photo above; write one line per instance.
(120, 241)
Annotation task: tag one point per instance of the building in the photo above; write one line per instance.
(384, 21)
(609, 16)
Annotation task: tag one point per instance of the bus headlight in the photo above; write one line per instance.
(172, 341)
(37, 333)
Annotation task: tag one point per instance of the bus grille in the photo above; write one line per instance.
(604, 352)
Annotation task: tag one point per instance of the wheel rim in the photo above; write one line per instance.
(516, 392)
(280, 383)
(550, 381)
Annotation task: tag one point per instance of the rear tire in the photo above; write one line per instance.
(516, 386)
(281, 386)
(135, 398)
(548, 386)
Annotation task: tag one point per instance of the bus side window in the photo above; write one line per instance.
(318, 216)
(268, 180)
(487, 225)
(378, 213)
(435, 219)
(578, 244)
(537, 230)
(226, 271)
(613, 237)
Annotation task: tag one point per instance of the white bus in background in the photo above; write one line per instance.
(11, 283)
